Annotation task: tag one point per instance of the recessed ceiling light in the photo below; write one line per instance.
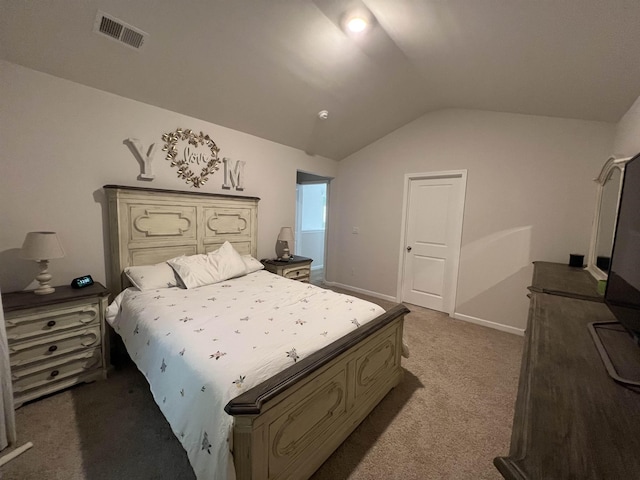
(357, 24)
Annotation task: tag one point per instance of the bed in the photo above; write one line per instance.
(288, 424)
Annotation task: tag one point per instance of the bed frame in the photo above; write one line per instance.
(287, 426)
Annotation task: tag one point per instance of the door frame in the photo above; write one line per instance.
(298, 218)
(450, 303)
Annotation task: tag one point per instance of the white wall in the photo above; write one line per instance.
(627, 140)
(627, 144)
(530, 196)
(61, 142)
(311, 244)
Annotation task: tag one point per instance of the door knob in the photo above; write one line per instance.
(408, 249)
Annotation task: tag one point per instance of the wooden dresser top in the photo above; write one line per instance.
(27, 299)
(566, 281)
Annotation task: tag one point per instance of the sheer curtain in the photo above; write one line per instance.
(7, 419)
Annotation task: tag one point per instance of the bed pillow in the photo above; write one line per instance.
(199, 270)
(227, 261)
(151, 277)
(251, 264)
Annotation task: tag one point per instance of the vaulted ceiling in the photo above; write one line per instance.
(267, 67)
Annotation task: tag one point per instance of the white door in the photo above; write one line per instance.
(434, 207)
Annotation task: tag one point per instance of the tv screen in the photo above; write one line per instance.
(623, 285)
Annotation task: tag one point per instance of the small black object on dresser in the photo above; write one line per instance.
(576, 260)
(82, 282)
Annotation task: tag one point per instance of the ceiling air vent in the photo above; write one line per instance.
(119, 31)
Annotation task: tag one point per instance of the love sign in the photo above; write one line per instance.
(199, 151)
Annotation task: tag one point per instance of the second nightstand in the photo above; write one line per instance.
(297, 268)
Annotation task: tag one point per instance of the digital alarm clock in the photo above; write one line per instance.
(81, 282)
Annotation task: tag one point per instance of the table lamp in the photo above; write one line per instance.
(42, 247)
(284, 245)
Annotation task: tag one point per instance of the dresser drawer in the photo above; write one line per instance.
(29, 378)
(33, 323)
(53, 346)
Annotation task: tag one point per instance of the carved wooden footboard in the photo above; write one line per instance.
(289, 425)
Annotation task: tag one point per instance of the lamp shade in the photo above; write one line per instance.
(41, 246)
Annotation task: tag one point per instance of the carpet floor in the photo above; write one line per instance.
(448, 418)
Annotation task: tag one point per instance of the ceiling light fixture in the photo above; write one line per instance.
(357, 24)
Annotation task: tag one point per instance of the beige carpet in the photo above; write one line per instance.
(447, 420)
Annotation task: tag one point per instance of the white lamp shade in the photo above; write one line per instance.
(41, 246)
(286, 235)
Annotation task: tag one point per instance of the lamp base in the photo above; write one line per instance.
(44, 277)
(44, 290)
(281, 246)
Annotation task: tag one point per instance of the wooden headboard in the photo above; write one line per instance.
(148, 226)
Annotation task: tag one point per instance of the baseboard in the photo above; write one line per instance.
(458, 316)
(381, 296)
(487, 323)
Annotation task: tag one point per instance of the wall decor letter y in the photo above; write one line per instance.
(146, 173)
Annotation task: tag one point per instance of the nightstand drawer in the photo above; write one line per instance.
(296, 273)
(31, 324)
(49, 347)
(45, 374)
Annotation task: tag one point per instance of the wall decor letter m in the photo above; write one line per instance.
(233, 175)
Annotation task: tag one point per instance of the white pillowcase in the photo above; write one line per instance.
(251, 264)
(151, 277)
(198, 270)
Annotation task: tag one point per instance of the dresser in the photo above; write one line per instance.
(297, 268)
(572, 420)
(55, 340)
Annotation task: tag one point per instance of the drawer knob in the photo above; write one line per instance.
(51, 323)
(53, 348)
(54, 373)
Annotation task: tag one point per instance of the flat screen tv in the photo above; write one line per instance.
(622, 295)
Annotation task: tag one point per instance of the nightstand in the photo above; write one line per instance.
(297, 268)
(55, 340)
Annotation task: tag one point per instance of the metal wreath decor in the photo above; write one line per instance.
(184, 165)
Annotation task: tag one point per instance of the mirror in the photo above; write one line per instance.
(607, 219)
(604, 222)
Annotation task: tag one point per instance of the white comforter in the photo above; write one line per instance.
(200, 348)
